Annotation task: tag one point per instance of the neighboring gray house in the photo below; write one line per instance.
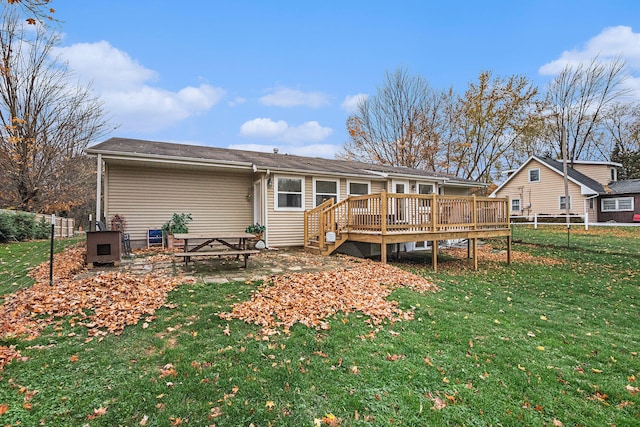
(227, 190)
(621, 203)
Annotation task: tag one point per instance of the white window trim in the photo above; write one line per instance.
(368, 184)
(529, 174)
(275, 194)
(337, 181)
(617, 202)
(519, 205)
(560, 203)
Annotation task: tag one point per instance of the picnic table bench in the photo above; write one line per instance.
(236, 245)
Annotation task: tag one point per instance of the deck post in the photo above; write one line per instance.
(434, 212)
(475, 254)
(383, 250)
(474, 215)
(383, 212)
(468, 248)
(434, 255)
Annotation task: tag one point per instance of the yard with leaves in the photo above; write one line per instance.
(552, 339)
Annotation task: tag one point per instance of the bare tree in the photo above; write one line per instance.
(46, 119)
(622, 122)
(397, 126)
(577, 99)
(494, 118)
(37, 11)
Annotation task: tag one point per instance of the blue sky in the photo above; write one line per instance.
(264, 74)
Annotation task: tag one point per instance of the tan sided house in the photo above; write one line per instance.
(302, 201)
(537, 187)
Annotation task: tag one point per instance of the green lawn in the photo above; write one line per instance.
(526, 344)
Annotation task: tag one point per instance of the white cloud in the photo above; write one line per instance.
(284, 97)
(351, 102)
(124, 86)
(236, 101)
(281, 131)
(326, 151)
(263, 128)
(611, 42)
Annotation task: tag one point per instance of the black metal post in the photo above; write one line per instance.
(53, 228)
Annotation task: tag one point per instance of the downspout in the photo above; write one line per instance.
(98, 191)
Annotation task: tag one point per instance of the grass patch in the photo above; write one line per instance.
(520, 345)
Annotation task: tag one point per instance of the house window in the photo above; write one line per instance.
(617, 204)
(614, 174)
(325, 190)
(289, 193)
(534, 175)
(358, 188)
(591, 204)
(562, 203)
(515, 205)
(425, 188)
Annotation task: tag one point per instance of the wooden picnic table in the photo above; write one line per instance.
(235, 242)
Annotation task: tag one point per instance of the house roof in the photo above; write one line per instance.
(626, 186)
(587, 185)
(135, 149)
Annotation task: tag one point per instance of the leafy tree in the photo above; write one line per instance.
(47, 121)
(577, 101)
(493, 118)
(400, 125)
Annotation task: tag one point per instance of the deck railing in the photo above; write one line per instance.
(389, 213)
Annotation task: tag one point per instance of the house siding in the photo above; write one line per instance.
(543, 196)
(600, 173)
(147, 197)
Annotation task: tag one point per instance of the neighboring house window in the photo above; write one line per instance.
(325, 190)
(289, 193)
(563, 205)
(425, 188)
(534, 175)
(618, 204)
(614, 174)
(358, 188)
(591, 204)
(515, 205)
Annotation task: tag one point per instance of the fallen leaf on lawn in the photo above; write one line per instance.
(438, 403)
(541, 348)
(631, 389)
(522, 368)
(3, 408)
(543, 317)
(226, 330)
(355, 369)
(270, 404)
(596, 371)
(394, 357)
(557, 423)
(73, 358)
(215, 412)
(97, 413)
(624, 404)
(144, 420)
(428, 361)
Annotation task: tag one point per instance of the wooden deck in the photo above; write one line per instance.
(387, 218)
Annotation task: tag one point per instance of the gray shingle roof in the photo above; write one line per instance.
(627, 186)
(142, 148)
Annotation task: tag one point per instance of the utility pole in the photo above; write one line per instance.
(566, 178)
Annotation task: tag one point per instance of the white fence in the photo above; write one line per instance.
(63, 227)
(539, 219)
